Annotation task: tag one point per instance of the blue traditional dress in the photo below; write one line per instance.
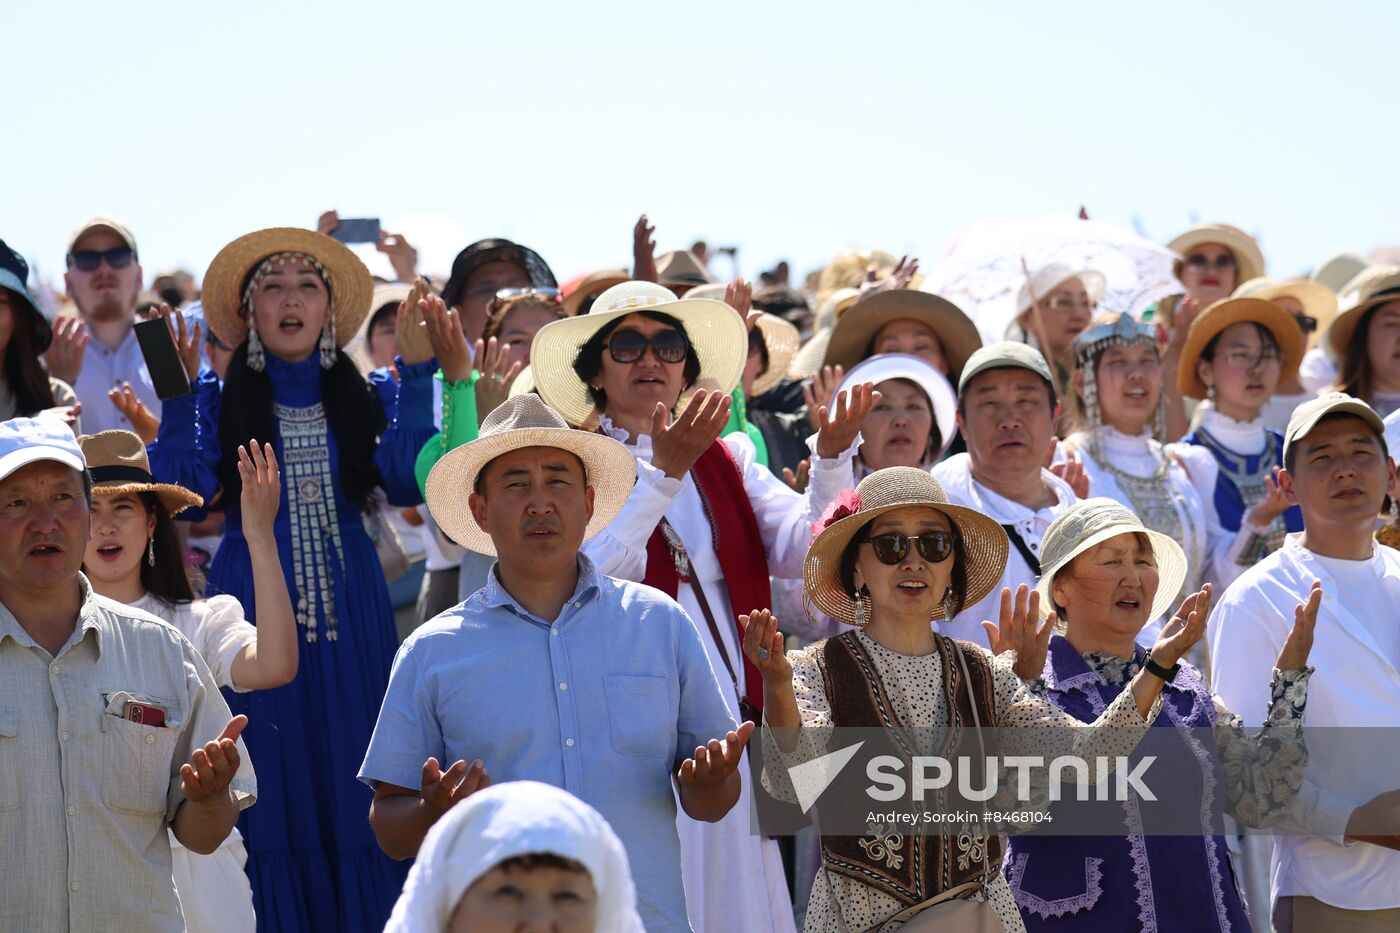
(312, 857)
(1152, 881)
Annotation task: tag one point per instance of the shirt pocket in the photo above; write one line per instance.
(9, 759)
(1050, 885)
(641, 716)
(138, 757)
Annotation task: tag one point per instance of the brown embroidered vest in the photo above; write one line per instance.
(909, 866)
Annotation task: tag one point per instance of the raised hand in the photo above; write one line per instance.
(414, 338)
(818, 389)
(144, 424)
(678, 444)
(834, 435)
(69, 414)
(1184, 629)
(1071, 470)
(798, 481)
(262, 490)
(187, 339)
(210, 769)
(443, 790)
(713, 763)
(1186, 312)
(1294, 654)
(643, 251)
(497, 374)
(738, 294)
(402, 256)
(1018, 632)
(327, 222)
(65, 354)
(1274, 503)
(763, 645)
(898, 277)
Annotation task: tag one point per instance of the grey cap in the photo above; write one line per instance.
(1306, 416)
(1006, 354)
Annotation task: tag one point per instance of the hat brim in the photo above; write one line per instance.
(883, 367)
(714, 329)
(575, 299)
(808, 360)
(222, 292)
(17, 459)
(984, 542)
(1226, 313)
(175, 498)
(1343, 329)
(1171, 568)
(1347, 406)
(781, 339)
(610, 467)
(1249, 261)
(853, 331)
(1319, 302)
(43, 330)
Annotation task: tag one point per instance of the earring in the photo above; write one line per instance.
(862, 618)
(151, 551)
(256, 358)
(948, 604)
(328, 343)
(1210, 393)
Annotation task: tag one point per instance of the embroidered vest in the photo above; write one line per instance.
(909, 867)
(736, 542)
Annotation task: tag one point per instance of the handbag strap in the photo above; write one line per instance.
(683, 567)
(1022, 548)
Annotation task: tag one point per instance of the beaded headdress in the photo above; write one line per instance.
(1118, 330)
(256, 358)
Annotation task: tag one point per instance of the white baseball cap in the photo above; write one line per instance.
(28, 440)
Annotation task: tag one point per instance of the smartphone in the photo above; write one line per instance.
(357, 230)
(144, 713)
(163, 361)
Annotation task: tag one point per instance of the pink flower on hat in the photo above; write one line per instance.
(847, 503)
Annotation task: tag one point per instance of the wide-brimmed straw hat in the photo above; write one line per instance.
(592, 284)
(780, 338)
(1092, 522)
(885, 366)
(1249, 261)
(1319, 302)
(1336, 272)
(1048, 278)
(1372, 288)
(118, 464)
(1230, 311)
(681, 267)
(351, 286)
(715, 330)
(526, 421)
(851, 335)
(984, 541)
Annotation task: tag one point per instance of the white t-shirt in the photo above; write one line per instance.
(215, 626)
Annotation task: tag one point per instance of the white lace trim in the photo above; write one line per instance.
(1241, 437)
(1205, 760)
(1093, 889)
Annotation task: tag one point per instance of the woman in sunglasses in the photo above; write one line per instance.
(891, 558)
(26, 389)
(705, 523)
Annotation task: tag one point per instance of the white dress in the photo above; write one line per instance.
(215, 895)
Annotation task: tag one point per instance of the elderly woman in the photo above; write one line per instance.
(889, 559)
(915, 419)
(1105, 576)
(903, 321)
(519, 856)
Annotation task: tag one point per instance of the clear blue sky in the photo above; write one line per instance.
(792, 129)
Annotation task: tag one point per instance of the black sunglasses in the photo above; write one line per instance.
(1222, 263)
(629, 346)
(1309, 324)
(755, 342)
(89, 259)
(893, 546)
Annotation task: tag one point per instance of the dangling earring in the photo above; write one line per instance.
(1210, 393)
(862, 619)
(151, 551)
(256, 359)
(948, 604)
(328, 343)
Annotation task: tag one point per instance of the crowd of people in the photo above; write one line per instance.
(465, 604)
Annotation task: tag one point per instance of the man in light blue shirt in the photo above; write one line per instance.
(553, 672)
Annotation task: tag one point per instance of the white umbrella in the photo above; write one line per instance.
(985, 267)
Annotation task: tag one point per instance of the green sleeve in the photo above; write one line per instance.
(458, 426)
(739, 421)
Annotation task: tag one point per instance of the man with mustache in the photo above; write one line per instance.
(97, 352)
(1335, 862)
(1007, 412)
(554, 672)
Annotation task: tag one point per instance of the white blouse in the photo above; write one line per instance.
(215, 626)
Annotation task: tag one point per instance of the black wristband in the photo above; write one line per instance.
(1167, 674)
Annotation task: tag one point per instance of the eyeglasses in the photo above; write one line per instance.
(1066, 305)
(1308, 324)
(629, 346)
(544, 295)
(1221, 263)
(893, 546)
(1248, 359)
(87, 260)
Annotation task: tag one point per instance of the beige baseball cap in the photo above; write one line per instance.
(103, 223)
(1306, 416)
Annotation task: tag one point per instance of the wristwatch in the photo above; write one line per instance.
(1167, 674)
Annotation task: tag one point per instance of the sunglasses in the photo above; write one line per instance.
(1221, 263)
(629, 346)
(755, 342)
(1308, 324)
(87, 260)
(893, 546)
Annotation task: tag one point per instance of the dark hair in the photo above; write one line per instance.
(166, 579)
(353, 415)
(28, 379)
(1144, 543)
(958, 581)
(589, 362)
(389, 309)
(1354, 375)
(1290, 457)
(1266, 337)
(762, 349)
(533, 860)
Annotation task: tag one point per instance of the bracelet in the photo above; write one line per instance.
(1167, 674)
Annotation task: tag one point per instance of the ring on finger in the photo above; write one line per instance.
(763, 654)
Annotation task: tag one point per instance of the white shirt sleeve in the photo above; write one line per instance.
(1223, 547)
(223, 632)
(620, 549)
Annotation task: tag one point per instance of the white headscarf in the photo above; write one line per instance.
(500, 823)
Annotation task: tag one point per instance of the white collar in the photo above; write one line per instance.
(1241, 437)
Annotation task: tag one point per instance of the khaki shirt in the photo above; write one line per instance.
(85, 795)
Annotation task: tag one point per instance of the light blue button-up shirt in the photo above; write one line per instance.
(604, 703)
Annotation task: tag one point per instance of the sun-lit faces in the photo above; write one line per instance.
(1244, 372)
(1338, 475)
(105, 293)
(535, 504)
(1106, 592)
(512, 899)
(909, 336)
(897, 430)
(1210, 273)
(913, 588)
(44, 526)
(1129, 383)
(633, 389)
(290, 306)
(121, 530)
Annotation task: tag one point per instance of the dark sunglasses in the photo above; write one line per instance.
(755, 342)
(1308, 324)
(88, 260)
(893, 546)
(629, 346)
(1221, 263)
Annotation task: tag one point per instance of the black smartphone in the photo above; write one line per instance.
(357, 230)
(163, 361)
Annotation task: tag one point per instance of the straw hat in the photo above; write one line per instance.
(1048, 278)
(1372, 288)
(716, 333)
(1225, 313)
(984, 542)
(809, 358)
(857, 327)
(1249, 261)
(780, 338)
(1336, 272)
(1093, 521)
(526, 421)
(222, 292)
(118, 465)
(681, 267)
(885, 366)
(523, 383)
(385, 293)
(1319, 302)
(594, 283)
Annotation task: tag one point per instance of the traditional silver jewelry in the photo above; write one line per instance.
(763, 654)
(328, 341)
(862, 618)
(151, 551)
(257, 359)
